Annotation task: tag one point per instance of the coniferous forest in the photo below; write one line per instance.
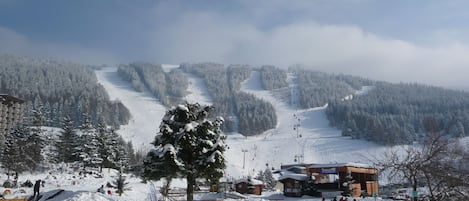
(402, 113)
(387, 114)
(59, 89)
(252, 115)
(169, 87)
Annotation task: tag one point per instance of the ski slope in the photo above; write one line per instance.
(312, 140)
(318, 143)
(145, 109)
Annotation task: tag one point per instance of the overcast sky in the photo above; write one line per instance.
(412, 41)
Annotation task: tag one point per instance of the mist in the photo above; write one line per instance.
(256, 33)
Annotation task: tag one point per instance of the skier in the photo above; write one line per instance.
(36, 187)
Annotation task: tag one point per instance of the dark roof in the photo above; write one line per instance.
(358, 165)
(7, 99)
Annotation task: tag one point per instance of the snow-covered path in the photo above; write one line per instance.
(146, 111)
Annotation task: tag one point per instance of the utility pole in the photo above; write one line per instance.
(244, 156)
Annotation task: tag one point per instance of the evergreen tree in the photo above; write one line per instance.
(13, 157)
(267, 178)
(67, 142)
(120, 183)
(134, 162)
(33, 149)
(346, 189)
(88, 151)
(35, 141)
(106, 145)
(122, 155)
(188, 145)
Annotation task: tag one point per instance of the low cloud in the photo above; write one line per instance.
(12, 42)
(199, 37)
(175, 32)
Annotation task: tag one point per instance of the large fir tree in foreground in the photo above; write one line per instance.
(187, 145)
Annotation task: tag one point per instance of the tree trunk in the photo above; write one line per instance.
(190, 187)
(414, 187)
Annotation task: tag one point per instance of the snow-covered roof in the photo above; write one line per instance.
(249, 181)
(350, 164)
(299, 177)
(296, 167)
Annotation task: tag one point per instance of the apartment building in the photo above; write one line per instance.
(11, 112)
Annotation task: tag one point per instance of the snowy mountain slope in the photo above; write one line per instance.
(197, 91)
(146, 111)
(318, 143)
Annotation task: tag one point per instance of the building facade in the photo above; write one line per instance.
(249, 186)
(332, 178)
(11, 112)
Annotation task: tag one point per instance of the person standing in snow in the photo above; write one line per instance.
(36, 187)
(101, 189)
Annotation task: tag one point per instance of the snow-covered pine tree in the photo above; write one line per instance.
(35, 141)
(13, 157)
(122, 159)
(88, 151)
(135, 158)
(66, 144)
(120, 183)
(187, 145)
(106, 145)
(267, 177)
(111, 147)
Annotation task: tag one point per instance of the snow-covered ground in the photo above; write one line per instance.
(197, 91)
(77, 187)
(145, 109)
(312, 141)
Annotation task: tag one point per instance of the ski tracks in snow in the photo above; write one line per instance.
(146, 111)
(304, 134)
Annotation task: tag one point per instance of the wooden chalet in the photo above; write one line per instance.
(293, 177)
(332, 177)
(293, 184)
(249, 186)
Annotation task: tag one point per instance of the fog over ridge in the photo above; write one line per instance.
(256, 33)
